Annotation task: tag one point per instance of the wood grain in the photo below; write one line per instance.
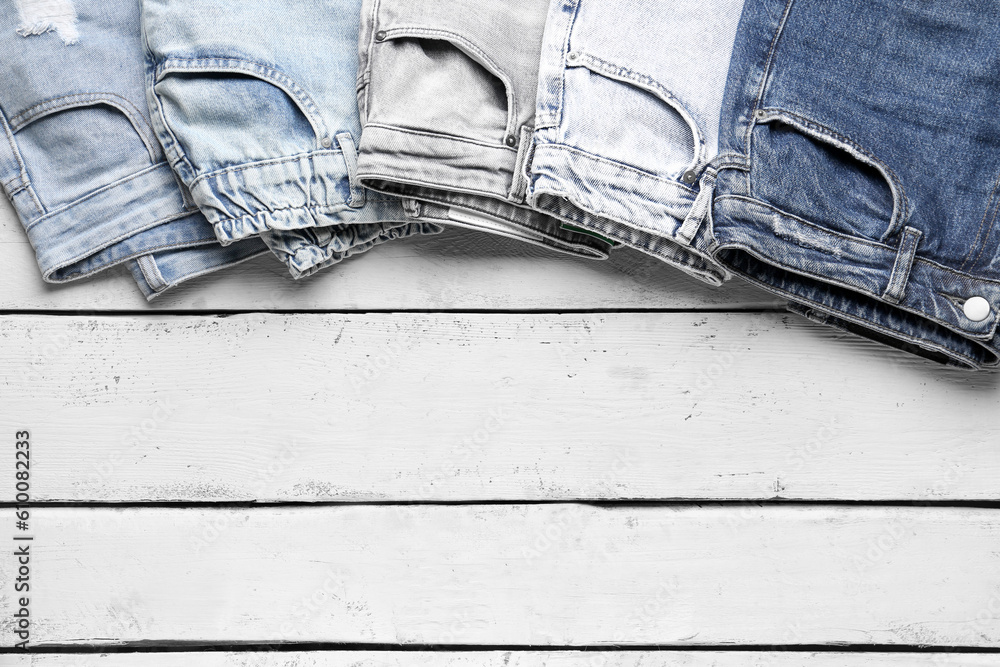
(457, 270)
(662, 658)
(487, 407)
(521, 575)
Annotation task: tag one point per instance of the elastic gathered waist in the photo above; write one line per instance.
(297, 192)
(858, 284)
(307, 251)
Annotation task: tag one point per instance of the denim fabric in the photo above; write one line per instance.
(447, 98)
(628, 105)
(859, 172)
(255, 106)
(78, 156)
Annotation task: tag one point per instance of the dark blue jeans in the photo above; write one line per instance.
(859, 168)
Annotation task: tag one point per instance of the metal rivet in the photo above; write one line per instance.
(573, 56)
(977, 309)
(326, 142)
(511, 140)
(759, 113)
(380, 36)
(689, 177)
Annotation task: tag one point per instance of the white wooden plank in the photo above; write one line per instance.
(522, 575)
(487, 407)
(661, 658)
(457, 270)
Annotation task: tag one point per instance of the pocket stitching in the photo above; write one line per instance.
(900, 202)
(260, 71)
(472, 51)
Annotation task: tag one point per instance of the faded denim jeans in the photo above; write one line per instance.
(255, 105)
(447, 97)
(628, 105)
(79, 158)
(859, 172)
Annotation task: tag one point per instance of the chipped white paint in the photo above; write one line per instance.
(540, 575)
(487, 407)
(41, 16)
(661, 658)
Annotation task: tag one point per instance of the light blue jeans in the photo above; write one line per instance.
(78, 155)
(255, 105)
(627, 117)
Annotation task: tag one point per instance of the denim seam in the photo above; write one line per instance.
(123, 104)
(555, 119)
(151, 273)
(825, 309)
(762, 89)
(24, 181)
(320, 209)
(853, 288)
(520, 180)
(619, 165)
(828, 312)
(992, 203)
(365, 62)
(650, 85)
(896, 289)
(188, 276)
(403, 185)
(766, 74)
(350, 155)
(901, 206)
(587, 217)
(857, 239)
(438, 135)
(162, 246)
(269, 74)
(172, 147)
(488, 63)
(851, 239)
(261, 163)
(547, 235)
(94, 193)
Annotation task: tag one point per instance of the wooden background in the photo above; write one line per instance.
(462, 451)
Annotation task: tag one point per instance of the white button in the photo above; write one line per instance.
(977, 309)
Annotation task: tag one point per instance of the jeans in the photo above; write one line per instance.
(447, 98)
(628, 105)
(255, 105)
(78, 156)
(859, 168)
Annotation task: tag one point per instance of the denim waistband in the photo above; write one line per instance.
(160, 271)
(858, 283)
(133, 216)
(601, 195)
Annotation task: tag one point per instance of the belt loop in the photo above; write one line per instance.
(896, 290)
(700, 209)
(525, 152)
(350, 153)
(151, 272)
